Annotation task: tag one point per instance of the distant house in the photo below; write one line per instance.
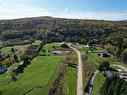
(87, 46)
(123, 77)
(95, 41)
(77, 43)
(1, 55)
(103, 54)
(109, 74)
(2, 70)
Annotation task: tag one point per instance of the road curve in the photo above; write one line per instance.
(79, 74)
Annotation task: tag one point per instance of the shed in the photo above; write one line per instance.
(103, 54)
(110, 74)
(3, 70)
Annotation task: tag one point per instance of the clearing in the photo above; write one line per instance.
(41, 72)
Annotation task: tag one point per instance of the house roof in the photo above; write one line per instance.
(2, 70)
(110, 73)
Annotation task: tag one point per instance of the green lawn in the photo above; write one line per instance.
(41, 72)
(49, 47)
(97, 59)
(70, 81)
(98, 83)
(93, 57)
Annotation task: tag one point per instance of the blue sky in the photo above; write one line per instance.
(81, 9)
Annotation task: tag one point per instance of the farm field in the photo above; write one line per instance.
(41, 72)
(18, 47)
(98, 83)
(48, 48)
(40, 76)
(70, 81)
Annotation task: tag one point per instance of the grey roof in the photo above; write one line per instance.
(110, 73)
(2, 70)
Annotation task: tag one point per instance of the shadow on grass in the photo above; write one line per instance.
(113, 69)
(72, 65)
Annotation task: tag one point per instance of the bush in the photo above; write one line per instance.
(104, 66)
(114, 86)
(64, 46)
(124, 56)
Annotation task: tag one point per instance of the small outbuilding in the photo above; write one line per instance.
(87, 46)
(109, 74)
(103, 54)
(3, 70)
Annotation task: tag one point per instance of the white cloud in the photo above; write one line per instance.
(95, 15)
(66, 10)
(10, 9)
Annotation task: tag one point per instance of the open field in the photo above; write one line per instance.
(41, 72)
(98, 83)
(70, 80)
(48, 48)
(91, 53)
(19, 47)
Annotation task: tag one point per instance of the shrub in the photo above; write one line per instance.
(104, 66)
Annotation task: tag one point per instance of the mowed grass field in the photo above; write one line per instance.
(98, 83)
(41, 72)
(70, 80)
(49, 47)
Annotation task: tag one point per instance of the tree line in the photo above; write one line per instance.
(57, 29)
(49, 29)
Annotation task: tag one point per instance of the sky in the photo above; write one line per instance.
(75, 9)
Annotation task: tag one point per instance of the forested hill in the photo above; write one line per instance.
(26, 30)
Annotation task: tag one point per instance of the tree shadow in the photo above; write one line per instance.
(72, 65)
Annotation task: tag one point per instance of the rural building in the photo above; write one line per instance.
(87, 46)
(1, 55)
(2, 70)
(109, 74)
(123, 77)
(95, 41)
(103, 54)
